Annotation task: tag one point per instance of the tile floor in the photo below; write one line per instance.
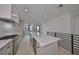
(25, 47)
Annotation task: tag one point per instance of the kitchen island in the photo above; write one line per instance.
(45, 45)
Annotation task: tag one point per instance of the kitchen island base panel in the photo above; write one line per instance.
(48, 50)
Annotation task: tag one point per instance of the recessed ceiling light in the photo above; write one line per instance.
(45, 16)
(26, 17)
(26, 10)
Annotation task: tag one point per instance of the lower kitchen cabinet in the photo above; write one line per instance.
(16, 44)
(7, 50)
(50, 49)
(11, 47)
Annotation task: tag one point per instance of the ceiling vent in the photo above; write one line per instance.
(60, 5)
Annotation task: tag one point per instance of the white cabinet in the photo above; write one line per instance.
(45, 45)
(6, 50)
(16, 44)
(50, 49)
(14, 13)
(5, 11)
(9, 12)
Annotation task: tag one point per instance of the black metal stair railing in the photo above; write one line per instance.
(51, 34)
(69, 42)
(72, 44)
(65, 41)
(76, 44)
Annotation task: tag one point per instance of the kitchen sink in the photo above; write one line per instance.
(8, 37)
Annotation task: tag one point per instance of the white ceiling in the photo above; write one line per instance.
(40, 13)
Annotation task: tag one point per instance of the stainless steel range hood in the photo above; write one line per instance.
(7, 28)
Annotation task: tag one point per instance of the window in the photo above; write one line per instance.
(37, 29)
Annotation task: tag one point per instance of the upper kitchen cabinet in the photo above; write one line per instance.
(14, 13)
(9, 12)
(5, 11)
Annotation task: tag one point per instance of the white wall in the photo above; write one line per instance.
(61, 24)
(76, 25)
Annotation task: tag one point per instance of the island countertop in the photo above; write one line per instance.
(44, 40)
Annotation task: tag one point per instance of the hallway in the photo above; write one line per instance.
(25, 47)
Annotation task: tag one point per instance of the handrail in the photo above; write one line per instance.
(72, 38)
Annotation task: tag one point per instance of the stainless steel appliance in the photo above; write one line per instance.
(7, 29)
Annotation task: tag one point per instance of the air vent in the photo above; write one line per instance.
(60, 5)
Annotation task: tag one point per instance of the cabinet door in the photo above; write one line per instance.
(16, 44)
(5, 11)
(14, 14)
(7, 50)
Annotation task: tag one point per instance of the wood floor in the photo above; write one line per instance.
(25, 47)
